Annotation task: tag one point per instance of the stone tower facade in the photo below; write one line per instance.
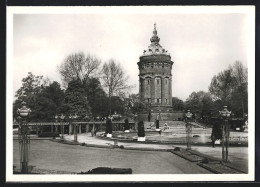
(155, 79)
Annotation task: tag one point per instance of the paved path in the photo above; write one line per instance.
(48, 155)
(237, 155)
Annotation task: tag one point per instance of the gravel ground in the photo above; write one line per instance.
(52, 156)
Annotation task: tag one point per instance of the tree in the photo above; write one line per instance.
(96, 97)
(78, 66)
(76, 100)
(200, 102)
(32, 85)
(44, 100)
(221, 86)
(240, 90)
(114, 79)
(117, 105)
(136, 105)
(129, 103)
(177, 104)
(48, 103)
(230, 88)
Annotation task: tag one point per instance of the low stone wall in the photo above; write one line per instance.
(164, 116)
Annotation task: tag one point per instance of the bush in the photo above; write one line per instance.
(106, 170)
(141, 132)
(176, 149)
(121, 147)
(205, 161)
(126, 124)
(109, 126)
(157, 124)
(48, 134)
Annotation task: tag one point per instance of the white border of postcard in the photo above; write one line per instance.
(249, 10)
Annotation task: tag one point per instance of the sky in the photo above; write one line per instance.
(200, 44)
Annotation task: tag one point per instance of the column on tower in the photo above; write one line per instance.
(163, 91)
(140, 87)
(158, 90)
(153, 90)
(170, 90)
(167, 90)
(143, 88)
(147, 82)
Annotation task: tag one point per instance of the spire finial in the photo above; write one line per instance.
(155, 38)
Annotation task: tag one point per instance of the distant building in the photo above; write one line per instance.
(155, 80)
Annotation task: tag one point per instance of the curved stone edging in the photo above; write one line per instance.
(168, 142)
(109, 146)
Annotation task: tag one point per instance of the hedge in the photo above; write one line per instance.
(126, 124)
(109, 126)
(106, 170)
(48, 134)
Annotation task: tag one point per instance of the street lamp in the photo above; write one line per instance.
(24, 137)
(135, 120)
(55, 126)
(75, 117)
(157, 121)
(62, 117)
(225, 114)
(188, 119)
(70, 122)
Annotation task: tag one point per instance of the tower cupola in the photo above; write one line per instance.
(155, 48)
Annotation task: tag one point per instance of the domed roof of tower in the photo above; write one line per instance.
(155, 48)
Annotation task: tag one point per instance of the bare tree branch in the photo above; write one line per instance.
(114, 79)
(77, 66)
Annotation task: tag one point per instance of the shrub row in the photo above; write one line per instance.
(106, 170)
(48, 134)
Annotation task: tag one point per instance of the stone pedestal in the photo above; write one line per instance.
(141, 139)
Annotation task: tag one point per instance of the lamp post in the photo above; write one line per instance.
(24, 137)
(75, 117)
(225, 114)
(135, 120)
(70, 124)
(157, 121)
(62, 117)
(188, 119)
(56, 120)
